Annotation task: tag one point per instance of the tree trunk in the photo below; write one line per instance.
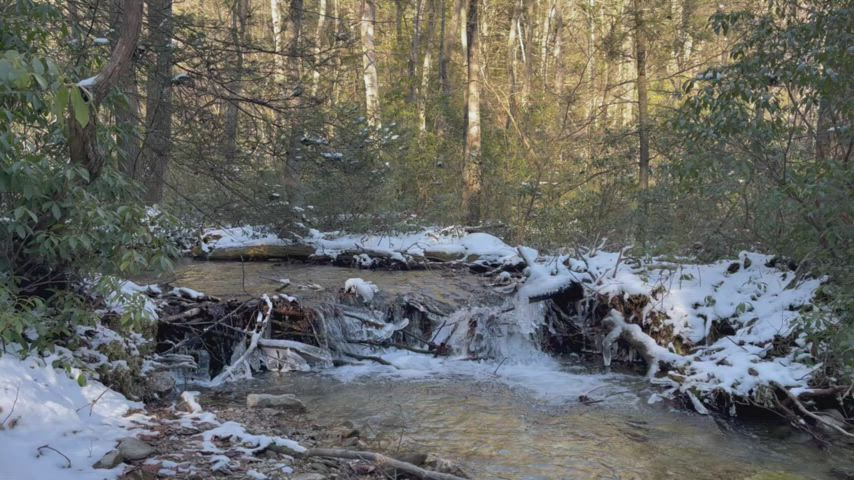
(293, 39)
(425, 69)
(591, 60)
(239, 13)
(82, 140)
(512, 48)
(369, 62)
(643, 102)
(643, 121)
(444, 45)
(158, 106)
(276, 15)
(473, 166)
(463, 27)
(525, 36)
(127, 114)
(560, 70)
(318, 45)
(414, 52)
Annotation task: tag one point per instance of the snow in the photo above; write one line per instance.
(131, 295)
(760, 303)
(238, 237)
(88, 82)
(101, 41)
(249, 443)
(471, 246)
(363, 288)
(45, 406)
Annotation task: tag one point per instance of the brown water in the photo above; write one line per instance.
(494, 423)
(251, 279)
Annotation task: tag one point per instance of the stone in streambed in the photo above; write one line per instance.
(134, 449)
(283, 402)
(110, 460)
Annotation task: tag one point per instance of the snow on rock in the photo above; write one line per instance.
(45, 406)
(363, 288)
(247, 443)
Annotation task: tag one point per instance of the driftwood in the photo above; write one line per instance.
(380, 460)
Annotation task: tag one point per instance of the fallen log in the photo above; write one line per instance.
(380, 460)
(261, 252)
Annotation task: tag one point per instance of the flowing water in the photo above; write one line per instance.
(519, 419)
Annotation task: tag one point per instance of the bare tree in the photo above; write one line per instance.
(425, 68)
(472, 164)
(239, 12)
(369, 62)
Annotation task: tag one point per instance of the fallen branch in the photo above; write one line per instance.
(261, 325)
(380, 460)
(810, 414)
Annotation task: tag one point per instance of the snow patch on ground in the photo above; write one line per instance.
(43, 406)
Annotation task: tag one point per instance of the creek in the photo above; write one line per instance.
(520, 418)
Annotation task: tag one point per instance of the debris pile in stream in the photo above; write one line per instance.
(716, 335)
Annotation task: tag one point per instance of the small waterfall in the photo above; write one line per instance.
(506, 333)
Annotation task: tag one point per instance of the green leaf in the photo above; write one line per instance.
(80, 107)
(81, 380)
(60, 102)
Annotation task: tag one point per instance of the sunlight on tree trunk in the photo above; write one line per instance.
(473, 167)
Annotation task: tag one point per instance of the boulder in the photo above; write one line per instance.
(283, 402)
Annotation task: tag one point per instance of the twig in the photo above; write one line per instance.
(48, 447)
(499, 366)
(17, 392)
(372, 358)
(91, 404)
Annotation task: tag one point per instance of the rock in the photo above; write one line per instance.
(284, 402)
(441, 465)
(110, 460)
(134, 449)
(160, 384)
(733, 267)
